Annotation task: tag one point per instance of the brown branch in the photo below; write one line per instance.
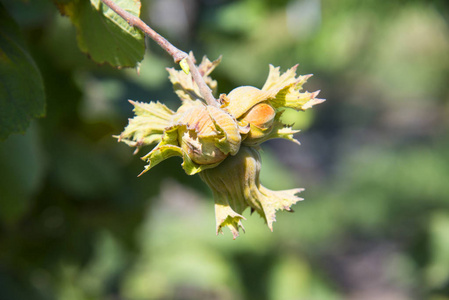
(174, 52)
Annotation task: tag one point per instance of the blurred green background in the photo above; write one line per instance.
(76, 222)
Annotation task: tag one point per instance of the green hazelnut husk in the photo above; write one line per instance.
(236, 186)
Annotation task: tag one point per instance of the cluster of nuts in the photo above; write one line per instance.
(221, 143)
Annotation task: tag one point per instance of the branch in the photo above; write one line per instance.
(174, 52)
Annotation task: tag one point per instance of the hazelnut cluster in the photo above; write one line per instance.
(221, 143)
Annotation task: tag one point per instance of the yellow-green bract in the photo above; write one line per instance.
(221, 143)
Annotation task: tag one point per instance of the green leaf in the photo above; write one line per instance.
(184, 85)
(105, 36)
(159, 154)
(286, 89)
(22, 168)
(148, 125)
(168, 147)
(226, 216)
(21, 87)
(192, 168)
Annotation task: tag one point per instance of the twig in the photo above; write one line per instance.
(177, 54)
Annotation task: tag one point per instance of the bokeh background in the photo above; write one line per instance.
(76, 222)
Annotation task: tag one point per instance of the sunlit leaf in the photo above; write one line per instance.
(105, 36)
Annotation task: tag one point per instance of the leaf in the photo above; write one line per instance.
(225, 216)
(286, 89)
(279, 130)
(104, 35)
(277, 81)
(192, 168)
(159, 154)
(271, 201)
(168, 147)
(22, 169)
(22, 95)
(148, 125)
(206, 67)
(183, 83)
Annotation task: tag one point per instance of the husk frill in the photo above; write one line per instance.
(221, 143)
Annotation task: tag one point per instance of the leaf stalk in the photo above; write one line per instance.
(174, 52)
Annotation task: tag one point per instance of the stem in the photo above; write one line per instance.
(205, 90)
(174, 52)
